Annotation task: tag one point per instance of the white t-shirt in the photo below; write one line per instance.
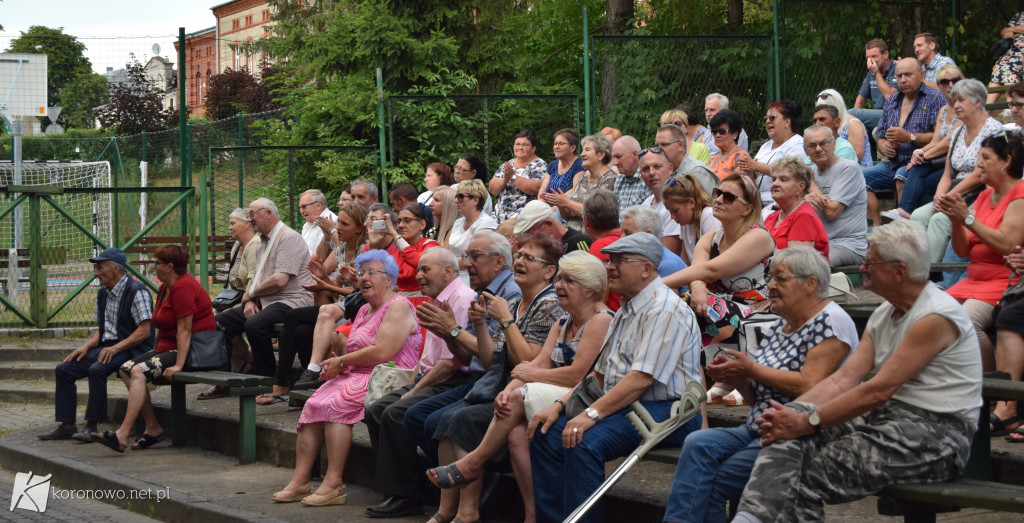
(794, 146)
(669, 227)
(689, 236)
(488, 206)
(312, 234)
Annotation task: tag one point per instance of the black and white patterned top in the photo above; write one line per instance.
(789, 351)
(511, 200)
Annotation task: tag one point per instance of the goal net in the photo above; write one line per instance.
(92, 211)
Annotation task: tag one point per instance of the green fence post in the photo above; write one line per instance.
(183, 146)
(36, 273)
(202, 226)
(380, 132)
(776, 50)
(955, 16)
(587, 96)
(115, 196)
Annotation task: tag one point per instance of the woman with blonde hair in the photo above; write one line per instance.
(469, 199)
(851, 129)
(691, 207)
(442, 207)
(693, 131)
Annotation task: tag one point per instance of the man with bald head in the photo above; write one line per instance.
(907, 122)
(630, 188)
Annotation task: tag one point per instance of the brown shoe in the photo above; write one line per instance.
(290, 496)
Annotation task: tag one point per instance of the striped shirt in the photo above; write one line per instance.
(657, 334)
(630, 190)
(290, 256)
(142, 309)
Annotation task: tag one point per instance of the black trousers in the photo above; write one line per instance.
(259, 329)
(296, 339)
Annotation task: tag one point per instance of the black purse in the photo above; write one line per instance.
(583, 396)
(207, 350)
(353, 302)
(228, 298)
(1000, 47)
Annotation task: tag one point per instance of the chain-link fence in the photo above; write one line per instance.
(424, 129)
(640, 77)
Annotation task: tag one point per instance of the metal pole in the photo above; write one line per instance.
(36, 272)
(776, 50)
(204, 242)
(955, 17)
(380, 131)
(183, 133)
(587, 96)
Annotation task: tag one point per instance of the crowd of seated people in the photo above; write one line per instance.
(614, 264)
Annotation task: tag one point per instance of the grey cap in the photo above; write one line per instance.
(642, 243)
(113, 254)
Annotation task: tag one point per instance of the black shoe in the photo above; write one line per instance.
(59, 433)
(309, 380)
(84, 435)
(396, 507)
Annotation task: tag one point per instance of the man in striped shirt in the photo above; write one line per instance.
(651, 352)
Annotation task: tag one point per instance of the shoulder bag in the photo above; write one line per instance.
(207, 350)
(228, 297)
(385, 378)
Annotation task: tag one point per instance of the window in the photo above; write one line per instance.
(248, 20)
(236, 24)
(266, 15)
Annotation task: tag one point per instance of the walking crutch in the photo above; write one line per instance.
(652, 432)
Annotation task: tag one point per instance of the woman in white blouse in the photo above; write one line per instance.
(782, 121)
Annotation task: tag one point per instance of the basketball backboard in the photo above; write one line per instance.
(23, 84)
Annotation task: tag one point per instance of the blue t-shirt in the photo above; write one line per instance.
(671, 263)
(562, 182)
(869, 88)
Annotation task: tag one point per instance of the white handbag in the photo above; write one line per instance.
(385, 378)
(839, 285)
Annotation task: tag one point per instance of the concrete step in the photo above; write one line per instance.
(42, 391)
(26, 370)
(30, 351)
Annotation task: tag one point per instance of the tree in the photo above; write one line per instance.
(135, 105)
(233, 92)
(84, 93)
(65, 60)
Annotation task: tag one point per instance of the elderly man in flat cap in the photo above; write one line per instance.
(650, 354)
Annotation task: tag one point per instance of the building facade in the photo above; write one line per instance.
(200, 64)
(239, 23)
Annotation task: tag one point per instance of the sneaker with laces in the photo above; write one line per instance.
(309, 380)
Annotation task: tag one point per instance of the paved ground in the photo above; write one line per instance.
(58, 508)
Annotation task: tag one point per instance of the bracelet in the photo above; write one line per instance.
(560, 402)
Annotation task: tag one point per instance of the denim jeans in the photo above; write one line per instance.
(921, 183)
(713, 468)
(564, 478)
(878, 177)
(869, 117)
(422, 418)
(950, 279)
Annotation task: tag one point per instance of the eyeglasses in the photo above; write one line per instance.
(1015, 105)
(407, 221)
(783, 278)
(460, 169)
(529, 258)
(565, 280)
(770, 118)
(949, 81)
(367, 274)
(561, 144)
(722, 132)
(679, 123)
(727, 196)
(466, 258)
(617, 260)
(253, 213)
(870, 263)
(527, 144)
(672, 181)
(810, 146)
(656, 150)
(302, 207)
(463, 196)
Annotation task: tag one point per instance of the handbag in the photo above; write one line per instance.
(353, 302)
(384, 379)
(207, 350)
(839, 285)
(1000, 47)
(228, 297)
(939, 162)
(585, 394)
(1013, 292)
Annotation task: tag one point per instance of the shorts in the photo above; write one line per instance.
(152, 364)
(1011, 317)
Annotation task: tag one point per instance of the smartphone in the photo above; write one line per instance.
(379, 225)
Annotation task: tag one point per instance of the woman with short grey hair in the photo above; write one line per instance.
(596, 155)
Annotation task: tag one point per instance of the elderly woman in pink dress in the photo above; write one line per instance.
(329, 414)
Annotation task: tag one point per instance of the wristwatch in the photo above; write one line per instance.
(506, 324)
(815, 421)
(913, 137)
(592, 413)
(969, 220)
(455, 332)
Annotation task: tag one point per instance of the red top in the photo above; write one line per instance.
(407, 261)
(185, 298)
(803, 225)
(614, 299)
(987, 274)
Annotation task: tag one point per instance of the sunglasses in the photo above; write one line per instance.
(462, 196)
(722, 132)
(949, 81)
(770, 118)
(727, 196)
(822, 96)
(655, 150)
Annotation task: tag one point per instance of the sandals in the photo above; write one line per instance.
(442, 519)
(290, 496)
(337, 497)
(145, 441)
(270, 399)
(213, 393)
(1018, 432)
(447, 476)
(109, 439)
(999, 426)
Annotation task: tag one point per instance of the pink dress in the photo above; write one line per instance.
(987, 273)
(340, 400)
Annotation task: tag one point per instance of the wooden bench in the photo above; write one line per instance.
(19, 259)
(935, 267)
(245, 386)
(921, 503)
(147, 245)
